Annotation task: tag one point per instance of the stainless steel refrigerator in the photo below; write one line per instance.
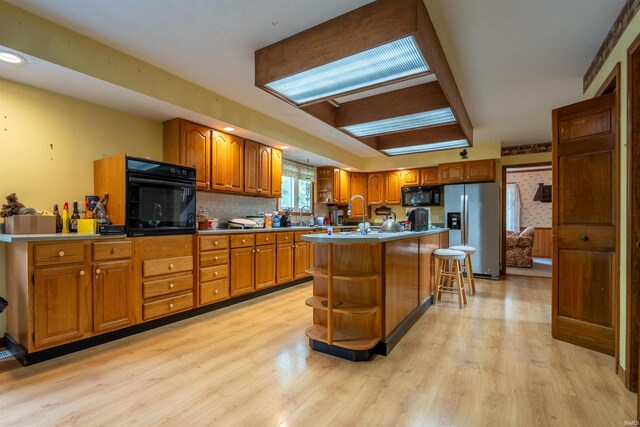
(472, 212)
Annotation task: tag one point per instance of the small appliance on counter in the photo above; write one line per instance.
(242, 223)
(258, 219)
(419, 219)
(337, 217)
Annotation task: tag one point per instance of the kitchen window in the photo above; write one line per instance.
(297, 186)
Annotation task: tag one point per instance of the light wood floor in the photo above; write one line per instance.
(492, 364)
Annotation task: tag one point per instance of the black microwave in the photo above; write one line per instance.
(421, 195)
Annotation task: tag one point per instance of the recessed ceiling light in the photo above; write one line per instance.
(347, 169)
(426, 147)
(391, 61)
(283, 147)
(11, 58)
(228, 129)
(400, 169)
(395, 124)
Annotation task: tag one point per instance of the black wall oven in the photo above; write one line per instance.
(161, 198)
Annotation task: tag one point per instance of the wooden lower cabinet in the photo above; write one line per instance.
(216, 290)
(112, 295)
(284, 268)
(301, 260)
(167, 306)
(242, 271)
(61, 308)
(265, 266)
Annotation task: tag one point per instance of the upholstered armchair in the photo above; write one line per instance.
(520, 248)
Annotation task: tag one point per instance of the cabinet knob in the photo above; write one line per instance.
(215, 273)
(170, 266)
(82, 272)
(253, 251)
(638, 244)
(584, 237)
(258, 250)
(170, 285)
(61, 253)
(98, 271)
(215, 243)
(216, 291)
(113, 251)
(170, 306)
(286, 238)
(244, 241)
(266, 238)
(215, 258)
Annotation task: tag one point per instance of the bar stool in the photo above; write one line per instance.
(449, 279)
(468, 250)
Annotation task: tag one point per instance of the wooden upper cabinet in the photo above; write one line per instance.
(324, 186)
(235, 168)
(276, 172)
(336, 186)
(251, 166)
(480, 170)
(264, 176)
(393, 185)
(219, 161)
(430, 176)
(411, 177)
(375, 187)
(189, 144)
(452, 172)
(358, 186)
(345, 189)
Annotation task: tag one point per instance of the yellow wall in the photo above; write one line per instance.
(80, 133)
(619, 54)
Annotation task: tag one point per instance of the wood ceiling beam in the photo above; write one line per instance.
(323, 111)
(375, 24)
(402, 102)
(428, 135)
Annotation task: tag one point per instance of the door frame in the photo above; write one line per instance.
(503, 229)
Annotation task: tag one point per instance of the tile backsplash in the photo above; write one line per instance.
(229, 206)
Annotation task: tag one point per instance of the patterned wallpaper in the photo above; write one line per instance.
(532, 214)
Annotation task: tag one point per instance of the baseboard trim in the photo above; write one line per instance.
(26, 358)
(623, 376)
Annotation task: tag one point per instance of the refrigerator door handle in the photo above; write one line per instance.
(462, 221)
(466, 219)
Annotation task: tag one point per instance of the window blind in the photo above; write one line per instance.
(298, 171)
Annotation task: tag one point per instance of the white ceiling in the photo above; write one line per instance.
(514, 60)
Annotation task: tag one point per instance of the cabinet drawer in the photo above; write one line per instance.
(104, 251)
(166, 266)
(265, 238)
(242, 240)
(214, 258)
(167, 306)
(214, 291)
(59, 253)
(212, 273)
(156, 288)
(211, 243)
(285, 237)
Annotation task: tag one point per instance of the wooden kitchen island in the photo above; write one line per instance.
(369, 290)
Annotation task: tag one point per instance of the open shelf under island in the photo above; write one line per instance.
(369, 290)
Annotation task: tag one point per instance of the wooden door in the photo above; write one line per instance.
(585, 212)
(284, 263)
(480, 170)
(265, 266)
(195, 151)
(219, 161)
(276, 172)
(301, 260)
(344, 187)
(60, 306)
(430, 176)
(411, 177)
(452, 172)
(242, 270)
(251, 166)
(264, 174)
(375, 188)
(358, 186)
(112, 298)
(235, 170)
(336, 186)
(393, 185)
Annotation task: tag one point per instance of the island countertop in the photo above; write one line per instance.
(373, 236)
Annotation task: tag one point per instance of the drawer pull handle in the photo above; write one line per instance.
(98, 271)
(584, 237)
(215, 273)
(215, 258)
(286, 238)
(113, 251)
(82, 272)
(170, 306)
(266, 238)
(61, 253)
(170, 266)
(215, 243)
(170, 285)
(216, 291)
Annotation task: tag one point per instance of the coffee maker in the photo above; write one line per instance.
(337, 217)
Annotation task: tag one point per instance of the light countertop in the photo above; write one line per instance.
(271, 230)
(8, 238)
(372, 237)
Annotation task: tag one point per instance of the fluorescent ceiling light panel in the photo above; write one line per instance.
(395, 124)
(390, 61)
(427, 147)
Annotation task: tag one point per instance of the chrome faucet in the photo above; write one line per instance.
(365, 229)
(302, 209)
